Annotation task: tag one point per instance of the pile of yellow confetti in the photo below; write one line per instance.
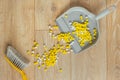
(50, 56)
(82, 31)
(66, 37)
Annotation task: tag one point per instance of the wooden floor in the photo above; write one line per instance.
(22, 21)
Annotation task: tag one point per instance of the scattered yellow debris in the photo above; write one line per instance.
(50, 56)
(28, 51)
(67, 37)
(55, 27)
(45, 69)
(66, 16)
(35, 63)
(82, 32)
(81, 17)
(38, 66)
(60, 70)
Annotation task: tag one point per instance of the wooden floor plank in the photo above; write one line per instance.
(91, 64)
(23, 30)
(17, 21)
(64, 62)
(47, 40)
(97, 7)
(5, 22)
(80, 3)
(44, 16)
(47, 11)
(113, 42)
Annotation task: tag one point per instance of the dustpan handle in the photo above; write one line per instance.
(105, 12)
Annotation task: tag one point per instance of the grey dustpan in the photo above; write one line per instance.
(73, 15)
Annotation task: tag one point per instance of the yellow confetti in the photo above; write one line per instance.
(82, 32)
(45, 69)
(66, 16)
(32, 54)
(60, 70)
(39, 67)
(28, 51)
(35, 63)
(81, 17)
(55, 27)
(50, 56)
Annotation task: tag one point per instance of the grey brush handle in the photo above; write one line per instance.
(105, 12)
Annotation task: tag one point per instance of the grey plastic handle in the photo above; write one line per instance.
(105, 12)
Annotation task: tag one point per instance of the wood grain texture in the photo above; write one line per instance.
(17, 29)
(113, 42)
(49, 42)
(91, 64)
(23, 30)
(53, 72)
(47, 11)
(5, 21)
(22, 21)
